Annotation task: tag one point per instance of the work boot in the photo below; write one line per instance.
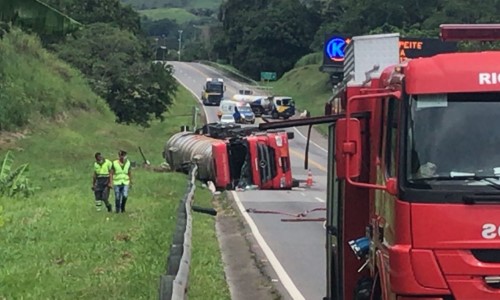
(124, 201)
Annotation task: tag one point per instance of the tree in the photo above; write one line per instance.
(120, 69)
(266, 35)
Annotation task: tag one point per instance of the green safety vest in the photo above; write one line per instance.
(103, 170)
(120, 176)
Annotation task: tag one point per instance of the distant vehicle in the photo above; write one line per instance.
(227, 119)
(241, 112)
(277, 106)
(246, 114)
(213, 91)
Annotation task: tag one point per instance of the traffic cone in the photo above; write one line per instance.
(309, 180)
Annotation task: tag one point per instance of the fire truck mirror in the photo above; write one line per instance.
(348, 148)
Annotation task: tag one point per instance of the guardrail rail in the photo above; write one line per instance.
(173, 284)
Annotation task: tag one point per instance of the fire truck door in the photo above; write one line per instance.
(334, 288)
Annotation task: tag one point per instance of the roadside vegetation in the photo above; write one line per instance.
(53, 243)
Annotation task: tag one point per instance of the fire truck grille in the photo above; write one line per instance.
(487, 255)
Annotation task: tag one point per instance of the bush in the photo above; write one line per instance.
(310, 59)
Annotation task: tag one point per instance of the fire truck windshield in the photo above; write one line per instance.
(452, 140)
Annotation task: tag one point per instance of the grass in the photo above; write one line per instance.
(34, 84)
(55, 245)
(152, 4)
(180, 15)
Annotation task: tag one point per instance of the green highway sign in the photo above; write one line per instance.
(267, 76)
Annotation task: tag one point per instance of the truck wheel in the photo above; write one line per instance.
(286, 117)
(275, 115)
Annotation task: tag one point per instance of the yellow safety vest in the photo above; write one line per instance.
(103, 170)
(120, 175)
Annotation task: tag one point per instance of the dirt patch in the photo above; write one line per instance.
(247, 271)
(9, 139)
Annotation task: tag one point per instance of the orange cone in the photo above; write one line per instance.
(309, 180)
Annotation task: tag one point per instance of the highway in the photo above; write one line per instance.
(295, 250)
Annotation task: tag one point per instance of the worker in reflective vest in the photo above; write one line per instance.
(100, 181)
(121, 176)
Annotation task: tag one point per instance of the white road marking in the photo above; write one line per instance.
(310, 141)
(319, 199)
(278, 268)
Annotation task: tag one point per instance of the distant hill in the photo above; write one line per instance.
(151, 4)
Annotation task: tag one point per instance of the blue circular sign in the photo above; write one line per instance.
(335, 49)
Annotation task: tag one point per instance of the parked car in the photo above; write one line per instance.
(227, 119)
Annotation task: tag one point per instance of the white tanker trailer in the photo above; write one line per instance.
(183, 147)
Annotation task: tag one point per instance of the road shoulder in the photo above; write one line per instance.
(248, 273)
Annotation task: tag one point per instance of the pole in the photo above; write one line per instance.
(180, 44)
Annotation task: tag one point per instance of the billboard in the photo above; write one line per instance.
(335, 45)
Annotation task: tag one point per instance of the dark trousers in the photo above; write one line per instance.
(101, 192)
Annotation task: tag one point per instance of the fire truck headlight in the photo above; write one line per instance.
(360, 247)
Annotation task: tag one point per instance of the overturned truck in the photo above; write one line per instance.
(233, 157)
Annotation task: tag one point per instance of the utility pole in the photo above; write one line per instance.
(180, 44)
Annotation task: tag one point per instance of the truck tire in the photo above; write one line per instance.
(275, 115)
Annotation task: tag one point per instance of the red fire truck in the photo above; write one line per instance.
(414, 181)
(234, 157)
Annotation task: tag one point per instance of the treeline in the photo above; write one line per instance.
(270, 35)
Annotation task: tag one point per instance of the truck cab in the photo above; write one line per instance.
(282, 107)
(213, 91)
(414, 200)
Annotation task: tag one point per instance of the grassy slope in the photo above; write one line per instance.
(180, 15)
(34, 84)
(55, 245)
(309, 88)
(147, 4)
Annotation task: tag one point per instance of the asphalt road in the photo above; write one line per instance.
(296, 250)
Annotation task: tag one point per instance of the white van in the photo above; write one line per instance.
(244, 114)
(227, 106)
